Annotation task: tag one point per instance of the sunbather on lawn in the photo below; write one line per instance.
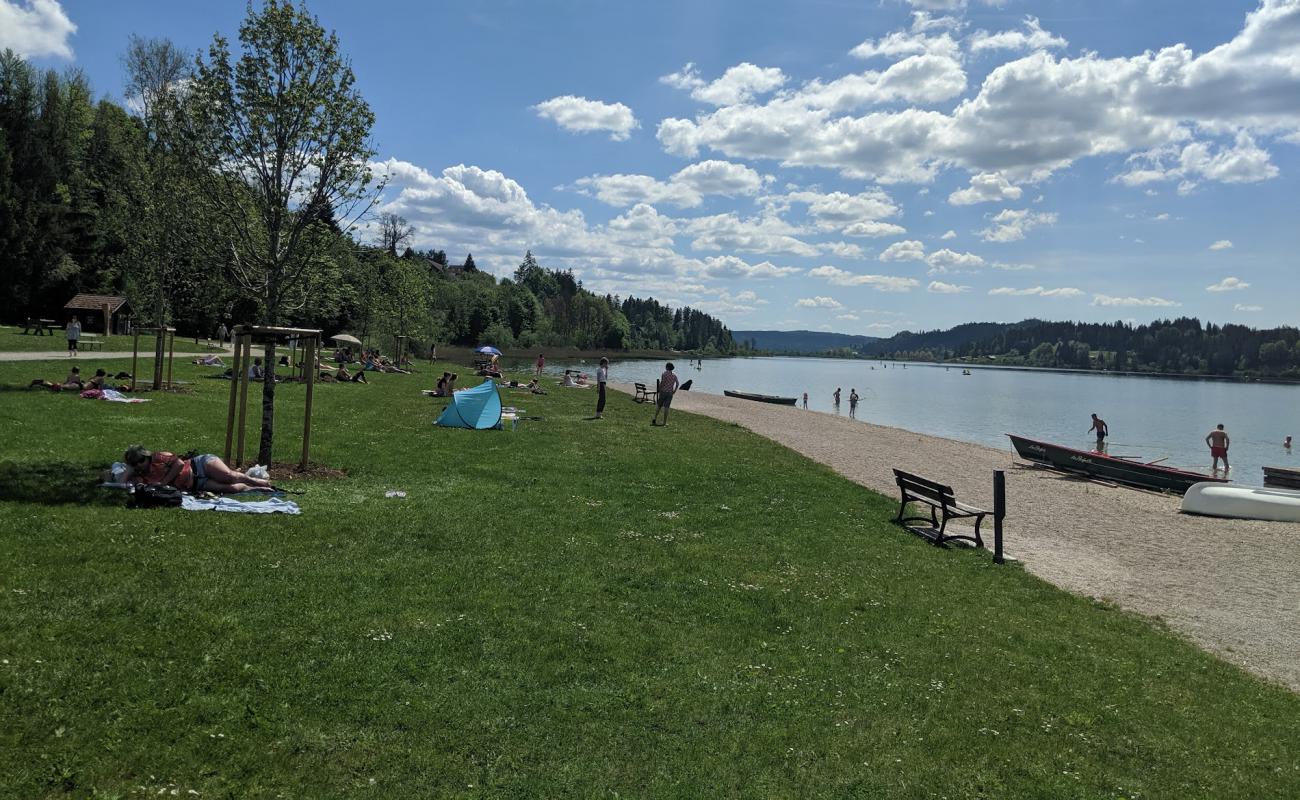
(205, 473)
(72, 383)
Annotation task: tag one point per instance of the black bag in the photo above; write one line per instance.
(156, 496)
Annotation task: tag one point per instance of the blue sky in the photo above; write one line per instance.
(858, 166)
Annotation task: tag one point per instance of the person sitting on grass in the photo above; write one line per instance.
(205, 473)
(72, 383)
(98, 381)
(343, 376)
(451, 384)
(440, 388)
(255, 372)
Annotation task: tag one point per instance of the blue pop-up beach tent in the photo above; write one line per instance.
(478, 408)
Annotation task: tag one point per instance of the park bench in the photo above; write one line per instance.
(91, 341)
(943, 505)
(43, 327)
(643, 395)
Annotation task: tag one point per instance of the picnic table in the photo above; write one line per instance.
(43, 327)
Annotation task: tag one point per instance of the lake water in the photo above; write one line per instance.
(1149, 417)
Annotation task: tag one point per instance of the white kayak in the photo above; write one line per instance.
(1242, 502)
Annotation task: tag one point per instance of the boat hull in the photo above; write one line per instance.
(1104, 467)
(1213, 499)
(762, 398)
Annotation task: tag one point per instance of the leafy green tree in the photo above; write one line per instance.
(281, 139)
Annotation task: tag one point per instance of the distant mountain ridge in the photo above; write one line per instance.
(801, 341)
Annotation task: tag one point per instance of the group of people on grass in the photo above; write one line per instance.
(75, 382)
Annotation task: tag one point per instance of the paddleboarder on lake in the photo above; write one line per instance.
(1103, 430)
(1217, 440)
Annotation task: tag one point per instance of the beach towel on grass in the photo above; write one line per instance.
(274, 505)
(113, 395)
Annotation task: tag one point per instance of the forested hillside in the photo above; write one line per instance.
(1184, 346)
(803, 342)
(96, 197)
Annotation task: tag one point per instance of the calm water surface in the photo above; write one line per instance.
(1149, 417)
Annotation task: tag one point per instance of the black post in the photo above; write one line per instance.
(999, 511)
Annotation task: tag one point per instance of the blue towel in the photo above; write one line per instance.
(274, 505)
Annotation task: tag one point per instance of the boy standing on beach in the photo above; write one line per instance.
(1218, 442)
(664, 400)
(837, 400)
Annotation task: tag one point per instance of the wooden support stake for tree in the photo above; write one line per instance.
(171, 357)
(310, 362)
(245, 344)
(135, 358)
(235, 369)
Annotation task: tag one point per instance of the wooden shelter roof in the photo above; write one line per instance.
(96, 302)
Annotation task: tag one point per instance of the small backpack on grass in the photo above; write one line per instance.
(156, 496)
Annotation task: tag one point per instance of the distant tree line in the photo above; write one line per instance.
(152, 202)
(1184, 346)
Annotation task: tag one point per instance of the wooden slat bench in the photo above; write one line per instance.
(90, 341)
(944, 506)
(645, 396)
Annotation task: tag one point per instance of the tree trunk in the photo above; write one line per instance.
(268, 405)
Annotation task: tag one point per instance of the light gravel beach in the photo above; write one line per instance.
(1231, 586)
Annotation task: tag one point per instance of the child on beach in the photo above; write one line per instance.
(805, 399)
(853, 403)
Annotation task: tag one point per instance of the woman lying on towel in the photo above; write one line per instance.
(532, 386)
(206, 473)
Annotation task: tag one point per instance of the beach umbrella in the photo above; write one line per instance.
(346, 339)
(488, 350)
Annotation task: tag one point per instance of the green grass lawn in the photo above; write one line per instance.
(576, 608)
(13, 340)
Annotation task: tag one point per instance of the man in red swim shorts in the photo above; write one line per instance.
(1218, 442)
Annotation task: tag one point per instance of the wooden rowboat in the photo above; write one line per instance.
(762, 398)
(1284, 477)
(1126, 471)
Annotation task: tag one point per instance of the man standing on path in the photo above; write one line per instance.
(1103, 430)
(1218, 442)
(664, 400)
(541, 364)
(602, 377)
(73, 332)
(222, 333)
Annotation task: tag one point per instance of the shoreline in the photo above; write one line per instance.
(1228, 585)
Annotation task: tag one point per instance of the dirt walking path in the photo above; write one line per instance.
(1232, 586)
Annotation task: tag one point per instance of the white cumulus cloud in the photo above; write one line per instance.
(907, 250)
(36, 28)
(946, 260)
(939, 287)
(1036, 291)
(1247, 309)
(1111, 301)
(882, 283)
(1011, 225)
(1222, 244)
(1033, 37)
(580, 115)
(1228, 285)
(819, 302)
(985, 187)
